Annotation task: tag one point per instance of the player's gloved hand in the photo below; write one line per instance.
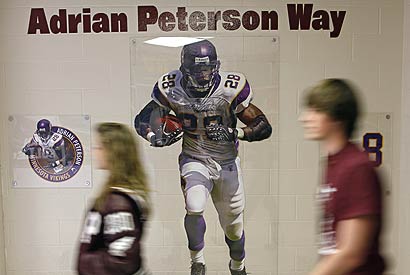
(219, 132)
(164, 139)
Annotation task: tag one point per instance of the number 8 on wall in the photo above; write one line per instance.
(372, 144)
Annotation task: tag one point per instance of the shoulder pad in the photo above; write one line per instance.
(136, 197)
(169, 80)
(232, 83)
(36, 138)
(55, 138)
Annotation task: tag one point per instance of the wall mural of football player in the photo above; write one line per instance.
(48, 147)
(208, 103)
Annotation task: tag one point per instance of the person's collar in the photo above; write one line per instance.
(335, 154)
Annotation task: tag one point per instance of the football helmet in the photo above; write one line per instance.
(199, 67)
(44, 129)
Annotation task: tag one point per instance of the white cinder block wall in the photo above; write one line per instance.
(369, 52)
(2, 247)
(404, 220)
(89, 74)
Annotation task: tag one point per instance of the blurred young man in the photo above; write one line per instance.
(350, 194)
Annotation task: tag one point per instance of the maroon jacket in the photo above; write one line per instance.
(110, 241)
(351, 190)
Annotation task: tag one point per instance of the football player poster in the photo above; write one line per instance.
(204, 109)
(50, 151)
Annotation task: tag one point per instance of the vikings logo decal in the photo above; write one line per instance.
(54, 153)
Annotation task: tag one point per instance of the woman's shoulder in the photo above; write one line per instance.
(121, 198)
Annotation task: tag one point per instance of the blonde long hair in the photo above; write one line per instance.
(123, 158)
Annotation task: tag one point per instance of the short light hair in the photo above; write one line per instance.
(338, 99)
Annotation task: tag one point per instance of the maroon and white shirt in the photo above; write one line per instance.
(110, 240)
(351, 189)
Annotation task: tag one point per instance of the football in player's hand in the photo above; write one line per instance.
(171, 124)
(167, 130)
(31, 149)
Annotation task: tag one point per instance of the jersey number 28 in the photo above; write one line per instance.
(233, 81)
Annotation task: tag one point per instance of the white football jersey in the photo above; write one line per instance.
(230, 95)
(47, 147)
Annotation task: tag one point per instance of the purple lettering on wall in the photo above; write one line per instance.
(300, 17)
(147, 15)
(196, 21)
(38, 22)
(84, 22)
(250, 20)
(166, 21)
(231, 21)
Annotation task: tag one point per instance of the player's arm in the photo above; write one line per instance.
(257, 125)
(149, 122)
(120, 253)
(354, 237)
(144, 120)
(154, 110)
(31, 148)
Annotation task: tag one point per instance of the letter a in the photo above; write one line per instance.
(38, 21)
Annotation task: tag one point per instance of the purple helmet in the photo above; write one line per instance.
(44, 129)
(199, 66)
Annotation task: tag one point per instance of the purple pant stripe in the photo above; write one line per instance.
(236, 248)
(195, 229)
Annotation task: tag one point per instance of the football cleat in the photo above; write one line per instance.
(58, 168)
(237, 272)
(198, 269)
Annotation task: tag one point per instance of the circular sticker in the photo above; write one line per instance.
(56, 156)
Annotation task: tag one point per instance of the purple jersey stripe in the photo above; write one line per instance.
(216, 84)
(156, 93)
(59, 143)
(242, 96)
